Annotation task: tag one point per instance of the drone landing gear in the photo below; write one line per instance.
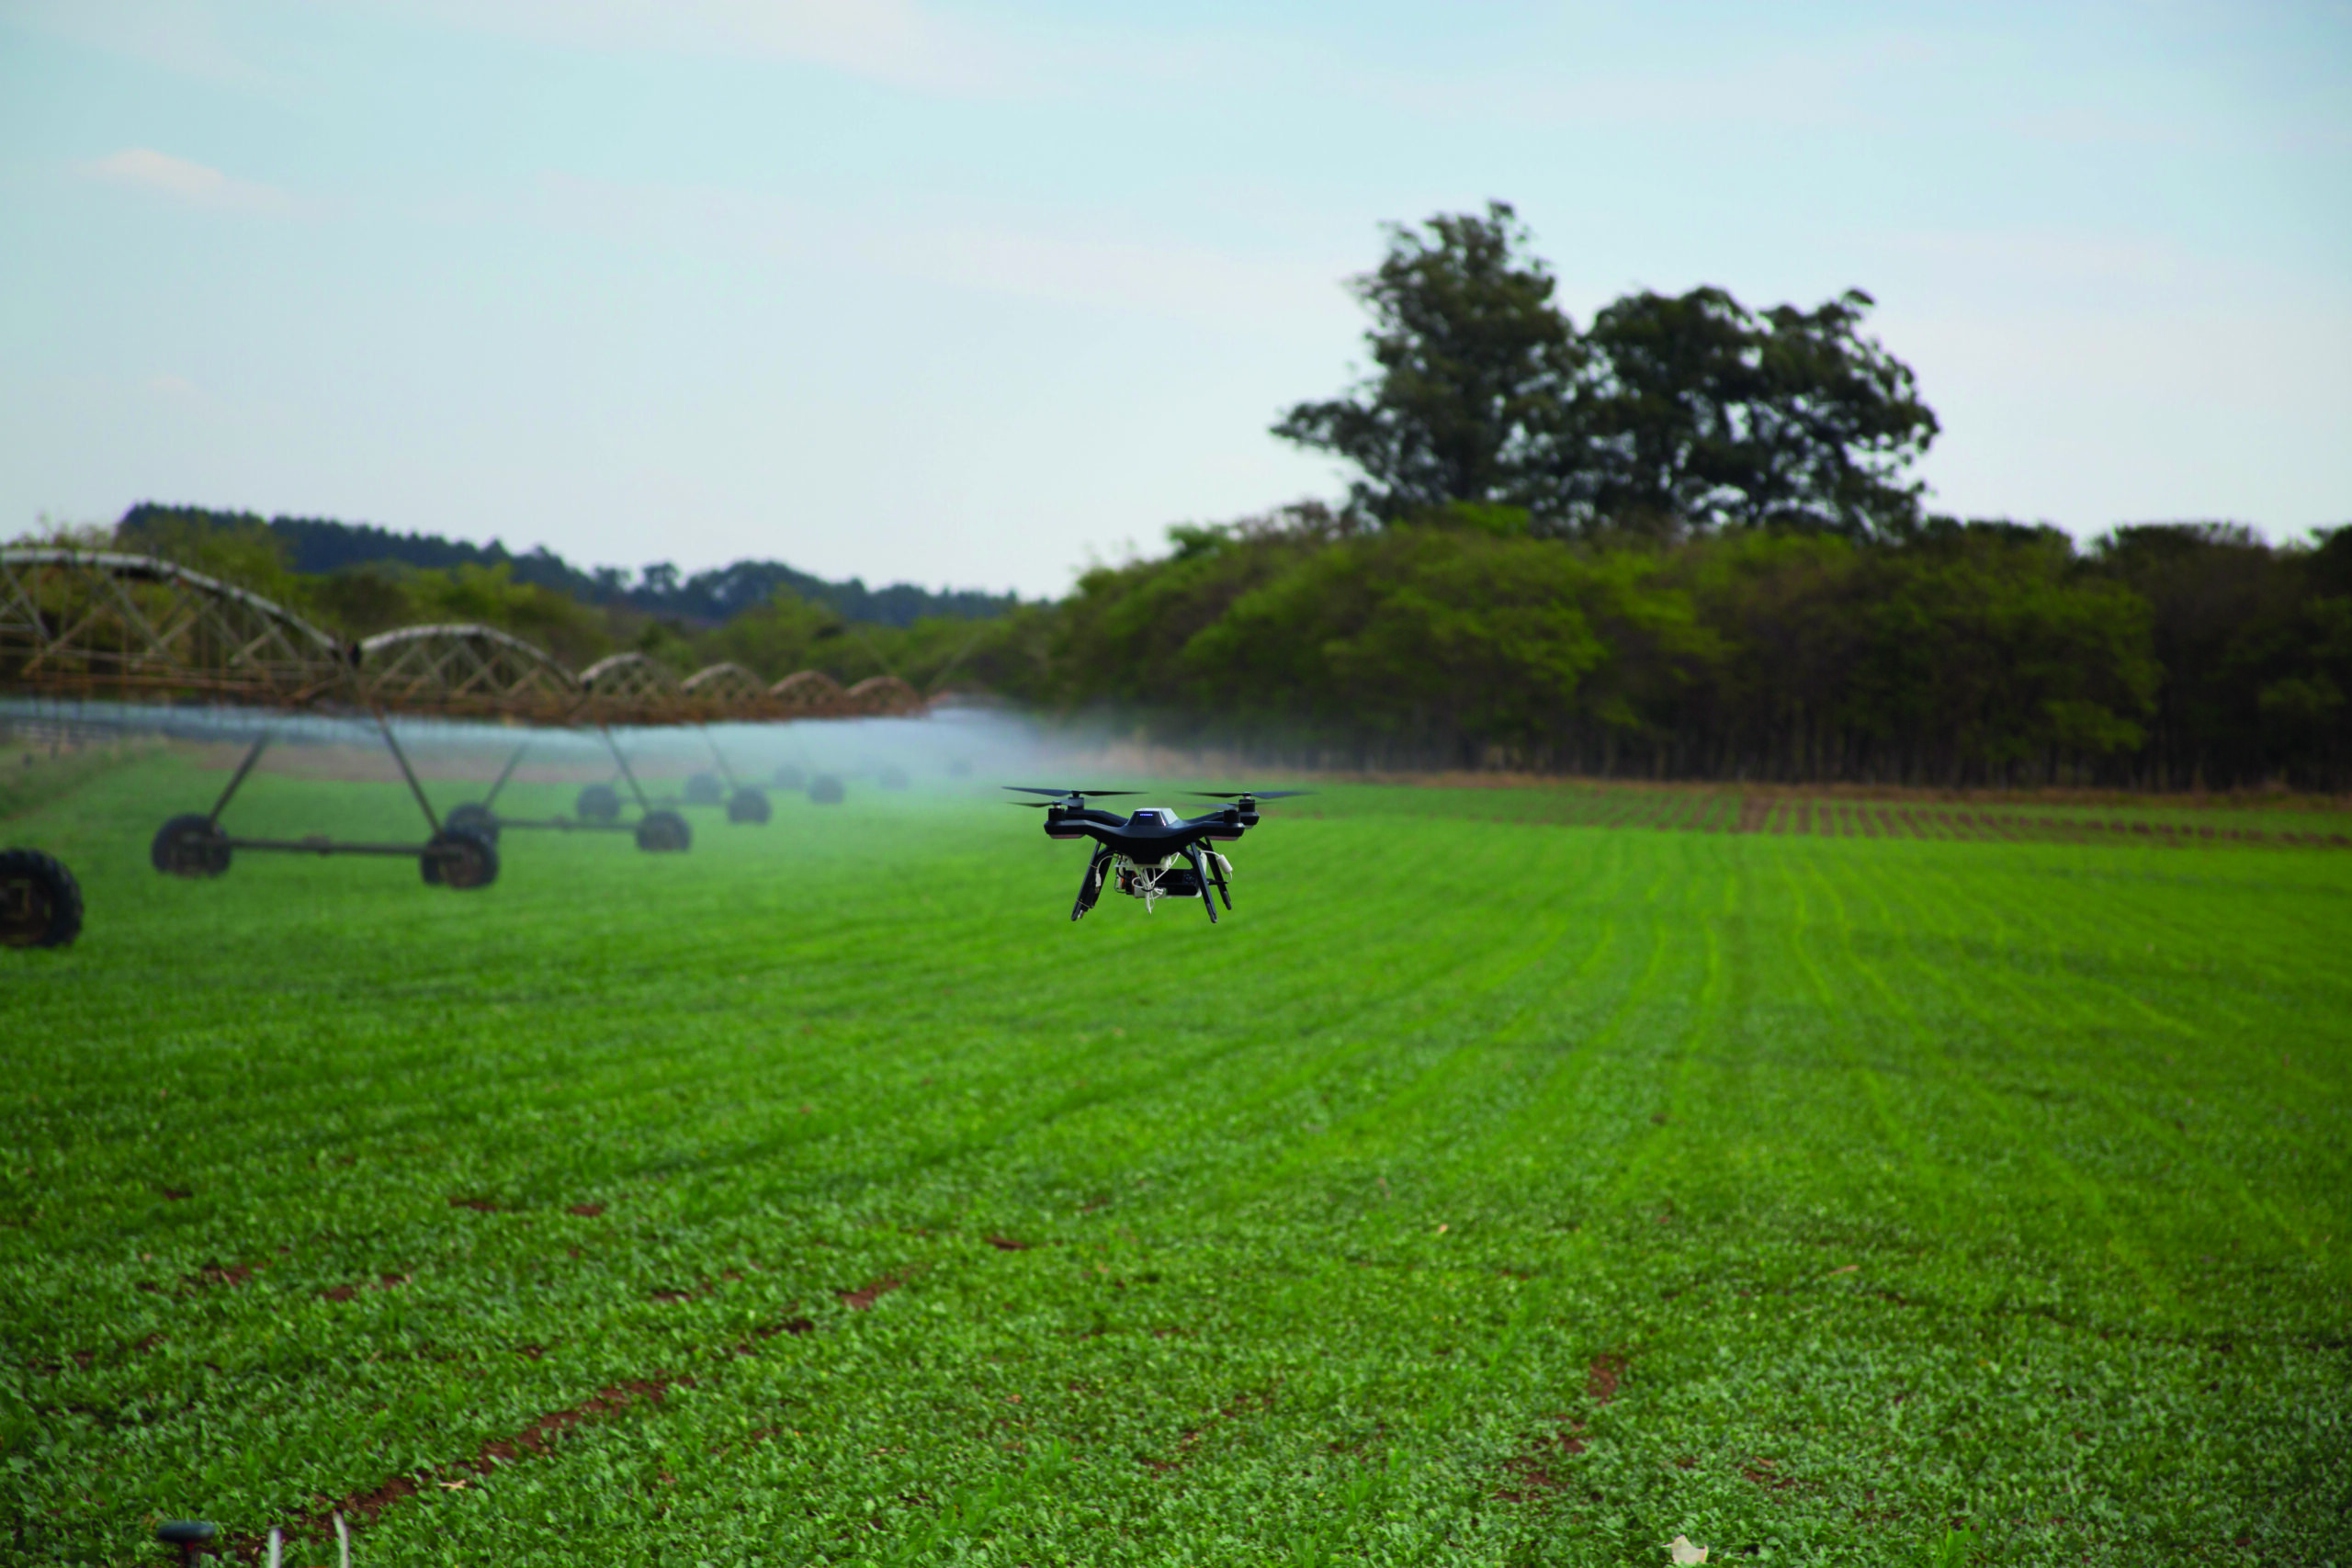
(1089, 887)
(1219, 869)
(1200, 879)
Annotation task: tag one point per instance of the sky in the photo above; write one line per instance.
(982, 295)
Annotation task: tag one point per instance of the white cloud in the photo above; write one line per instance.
(194, 184)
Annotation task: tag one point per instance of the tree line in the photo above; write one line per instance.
(320, 547)
(2162, 656)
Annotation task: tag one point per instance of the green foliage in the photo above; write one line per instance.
(1444, 637)
(1706, 414)
(1477, 370)
(784, 635)
(1486, 1190)
(366, 600)
(55, 533)
(2001, 653)
(2255, 646)
(1976, 654)
(1670, 415)
(241, 552)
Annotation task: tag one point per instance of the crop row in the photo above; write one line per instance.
(1786, 815)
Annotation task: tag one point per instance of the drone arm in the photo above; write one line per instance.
(1074, 824)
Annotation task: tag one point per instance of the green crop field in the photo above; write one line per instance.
(1500, 1183)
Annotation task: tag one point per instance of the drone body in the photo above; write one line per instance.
(1153, 853)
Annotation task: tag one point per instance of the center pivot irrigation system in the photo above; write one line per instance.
(132, 628)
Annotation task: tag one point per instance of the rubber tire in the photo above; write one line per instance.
(664, 833)
(189, 845)
(748, 805)
(476, 865)
(791, 778)
(56, 903)
(473, 817)
(704, 789)
(892, 778)
(826, 790)
(598, 803)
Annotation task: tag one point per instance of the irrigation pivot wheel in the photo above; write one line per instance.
(41, 904)
(791, 778)
(826, 790)
(473, 817)
(704, 789)
(190, 845)
(598, 803)
(459, 858)
(664, 832)
(748, 805)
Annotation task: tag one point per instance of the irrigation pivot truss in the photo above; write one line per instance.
(85, 622)
(93, 624)
(90, 623)
(465, 670)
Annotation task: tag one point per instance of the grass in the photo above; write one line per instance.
(1480, 1192)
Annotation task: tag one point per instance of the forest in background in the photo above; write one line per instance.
(1681, 542)
(318, 546)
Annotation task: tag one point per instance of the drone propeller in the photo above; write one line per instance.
(1246, 794)
(1066, 794)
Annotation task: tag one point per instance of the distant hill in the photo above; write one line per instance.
(318, 545)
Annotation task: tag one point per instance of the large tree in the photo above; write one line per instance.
(1702, 413)
(1671, 414)
(1475, 376)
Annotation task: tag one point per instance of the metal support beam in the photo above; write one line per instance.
(634, 787)
(325, 846)
(261, 742)
(408, 773)
(503, 775)
(718, 756)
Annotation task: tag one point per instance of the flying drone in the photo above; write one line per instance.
(1137, 854)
